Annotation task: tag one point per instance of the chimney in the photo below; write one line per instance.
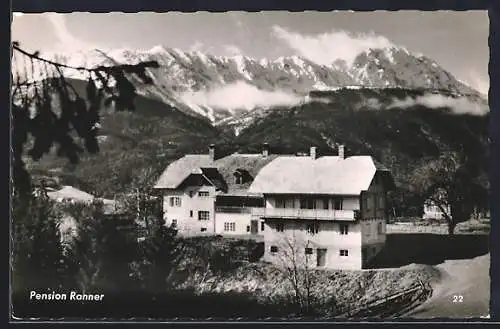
(341, 152)
(265, 150)
(313, 152)
(211, 152)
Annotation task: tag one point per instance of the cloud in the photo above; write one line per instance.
(241, 96)
(325, 48)
(232, 50)
(478, 82)
(197, 46)
(67, 41)
(459, 105)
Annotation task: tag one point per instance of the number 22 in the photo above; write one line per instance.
(458, 298)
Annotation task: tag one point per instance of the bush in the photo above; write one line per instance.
(38, 261)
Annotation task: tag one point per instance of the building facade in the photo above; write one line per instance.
(208, 194)
(323, 212)
(329, 210)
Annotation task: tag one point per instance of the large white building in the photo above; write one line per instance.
(327, 211)
(206, 194)
(331, 208)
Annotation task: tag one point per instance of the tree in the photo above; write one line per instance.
(296, 265)
(451, 182)
(158, 259)
(47, 111)
(38, 260)
(102, 251)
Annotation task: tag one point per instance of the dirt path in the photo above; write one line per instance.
(462, 291)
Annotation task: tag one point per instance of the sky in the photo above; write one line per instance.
(458, 41)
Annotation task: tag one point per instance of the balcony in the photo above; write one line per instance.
(314, 214)
(233, 210)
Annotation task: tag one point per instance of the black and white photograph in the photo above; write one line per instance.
(250, 166)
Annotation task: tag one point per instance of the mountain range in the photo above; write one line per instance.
(221, 89)
(403, 109)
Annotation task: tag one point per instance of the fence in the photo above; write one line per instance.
(393, 305)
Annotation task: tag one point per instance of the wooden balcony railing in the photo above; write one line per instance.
(297, 213)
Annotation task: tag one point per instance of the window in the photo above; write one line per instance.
(203, 229)
(274, 249)
(190, 194)
(380, 228)
(309, 251)
(344, 252)
(344, 229)
(262, 224)
(280, 203)
(190, 213)
(307, 203)
(203, 215)
(175, 201)
(174, 222)
(381, 201)
(313, 228)
(337, 204)
(229, 227)
(326, 203)
(203, 193)
(280, 227)
(369, 202)
(368, 229)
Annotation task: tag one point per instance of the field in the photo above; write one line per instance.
(461, 286)
(461, 291)
(481, 226)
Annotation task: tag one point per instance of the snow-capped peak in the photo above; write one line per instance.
(158, 49)
(194, 72)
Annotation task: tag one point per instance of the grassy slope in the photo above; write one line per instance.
(267, 283)
(469, 279)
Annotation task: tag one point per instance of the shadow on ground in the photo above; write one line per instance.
(429, 249)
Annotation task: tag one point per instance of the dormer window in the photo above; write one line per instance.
(241, 176)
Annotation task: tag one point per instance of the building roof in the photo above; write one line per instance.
(324, 175)
(70, 192)
(74, 194)
(275, 173)
(252, 163)
(181, 169)
(190, 164)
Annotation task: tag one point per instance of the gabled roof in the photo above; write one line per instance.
(190, 164)
(73, 194)
(70, 192)
(215, 178)
(180, 169)
(277, 173)
(324, 175)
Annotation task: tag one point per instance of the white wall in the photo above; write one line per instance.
(328, 237)
(241, 222)
(186, 223)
